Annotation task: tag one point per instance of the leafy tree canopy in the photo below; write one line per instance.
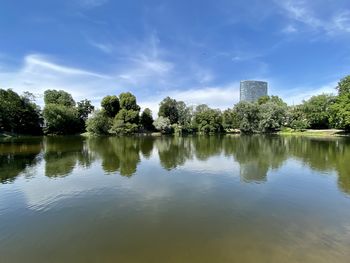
(58, 97)
(128, 101)
(111, 105)
(168, 108)
(208, 120)
(146, 119)
(162, 124)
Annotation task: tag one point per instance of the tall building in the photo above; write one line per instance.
(252, 90)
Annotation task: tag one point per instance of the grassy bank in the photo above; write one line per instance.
(319, 133)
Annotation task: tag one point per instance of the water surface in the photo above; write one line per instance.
(175, 199)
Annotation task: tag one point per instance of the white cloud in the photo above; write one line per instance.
(39, 73)
(91, 3)
(221, 97)
(297, 95)
(104, 47)
(36, 62)
(145, 73)
(289, 29)
(341, 21)
(308, 13)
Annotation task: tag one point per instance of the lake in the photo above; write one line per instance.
(175, 199)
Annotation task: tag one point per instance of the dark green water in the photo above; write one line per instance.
(194, 199)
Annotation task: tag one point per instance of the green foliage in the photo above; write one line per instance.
(317, 111)
(263, 100)
(127, 119)
(111, 105)
(230, 119)
(99, 123)
(340, 109)
(131, 116)
(162, 124)
(344, 86)
(125, 122)
(168, 109)
(60, 119)
(62, 116)
(19, 114)
(58, 97)
(146, 120)
(128, 101)
(248, 116)
(84, 108)
(208, 120)
(121, 127)
(296, 118)
(272, 116)
(299, 124)
(185, 115)
(340, 112)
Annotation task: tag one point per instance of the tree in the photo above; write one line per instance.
(248, 116)
(185, 115)
(317, 111)
(128, 101)
(131, 116)
(19, 114)
(127, 119)
(263, 100)
(111, 105)
(84, 108)
(230, 119)
(272, 116)
(61, 115)
(147, 120)
(168, 108)
(207, 120)
(99, 123)
(60, 119)
(340, 109)
(162, 124)
(344, 86)
(125, 122)
(296, 118)
(58, 97)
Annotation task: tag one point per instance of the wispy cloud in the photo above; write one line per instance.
(221, 97)
(104, 47)
(306, 13)
(91, 3)
(341, 21)
(290, 29)
(39, 73)
(297, 95)
(36, 62)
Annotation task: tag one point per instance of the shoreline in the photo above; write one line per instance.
(287, 132)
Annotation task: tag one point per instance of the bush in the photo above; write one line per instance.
(162, 124)
(99, 123)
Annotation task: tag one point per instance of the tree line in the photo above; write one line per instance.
(121, 114)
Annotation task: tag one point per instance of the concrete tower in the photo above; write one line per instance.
(252, 90)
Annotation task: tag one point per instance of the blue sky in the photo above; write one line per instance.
(194, 50)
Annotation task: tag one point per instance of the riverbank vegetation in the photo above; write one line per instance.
(122, 115)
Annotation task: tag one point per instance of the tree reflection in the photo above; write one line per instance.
(173, 151)
(62, 154)
(121, 153)
(256, 155)
(16, 156)
(325, 155)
